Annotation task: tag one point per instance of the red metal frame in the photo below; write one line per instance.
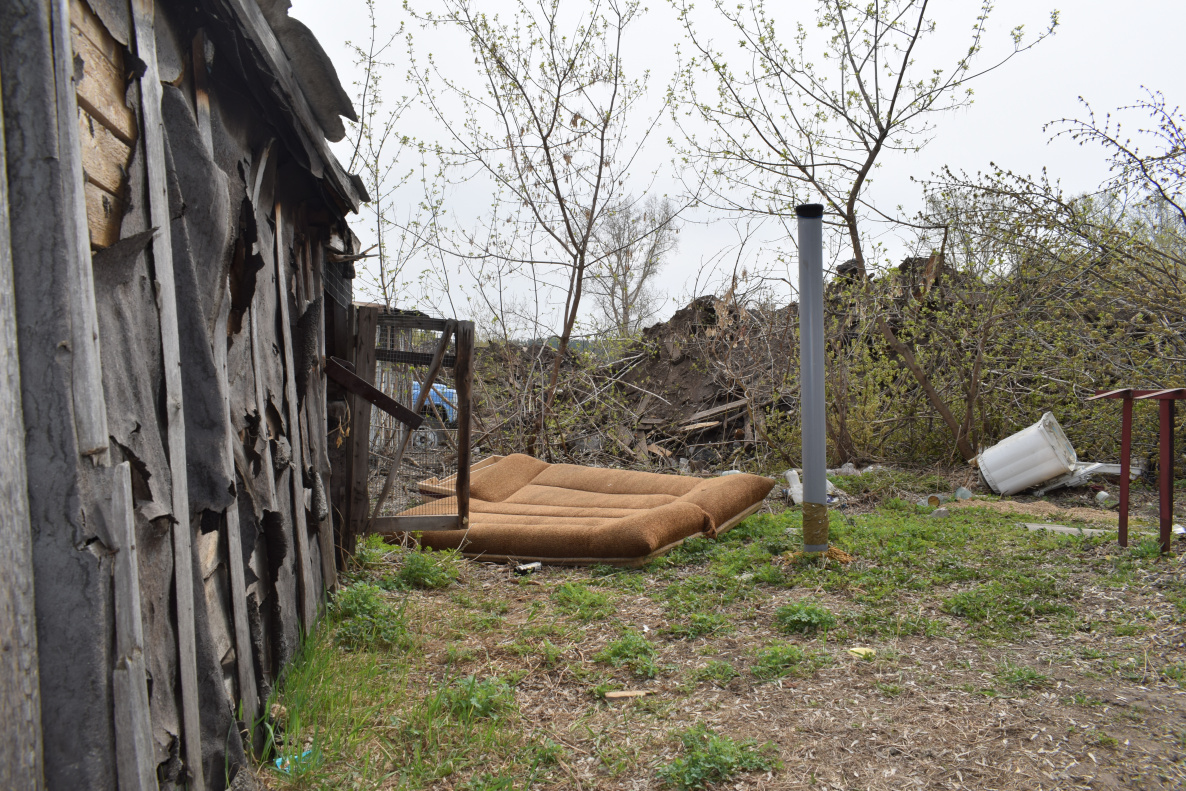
(1165, 445)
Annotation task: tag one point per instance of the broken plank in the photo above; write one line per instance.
(659, 450)
(415, 524)
(698, 426)
(309, 597)
(626, 694)
(723, 409)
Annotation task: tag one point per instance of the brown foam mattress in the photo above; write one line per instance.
(526, 509)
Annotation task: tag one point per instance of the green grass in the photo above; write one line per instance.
(716, 672)
(582, 602)
(634, 651)
(803, 617)
(365, 618)
(710, 758)
(1020, 676)
(778, 660)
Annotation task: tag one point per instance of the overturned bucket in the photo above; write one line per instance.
(1028, 458)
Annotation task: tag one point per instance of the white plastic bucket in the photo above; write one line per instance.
(1028, 458)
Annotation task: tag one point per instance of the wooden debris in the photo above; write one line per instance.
(626, 694)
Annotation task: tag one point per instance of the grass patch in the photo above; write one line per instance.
(778, 660)
(803, 617)
(582, 602)
(427, 570)
(634, 651)
(716, 672)
(710, 758)
(1020, 676)
(364, 619)
(1004, 607)
(699, 624)
(469, 698)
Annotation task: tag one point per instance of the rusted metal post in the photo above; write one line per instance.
(1125, 464)
(1166, 495)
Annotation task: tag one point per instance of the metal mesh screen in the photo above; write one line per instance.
(428, 469)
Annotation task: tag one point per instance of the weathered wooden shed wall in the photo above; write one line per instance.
(171, 199)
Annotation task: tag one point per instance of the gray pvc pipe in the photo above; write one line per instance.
(811, 354)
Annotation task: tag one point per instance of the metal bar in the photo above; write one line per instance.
(1125, 464)
(425, 389)
(337, 370)
(463, 379)
(411, 358)
(811, 377)
(1122, 393)
(1167, 473)
(415, 524)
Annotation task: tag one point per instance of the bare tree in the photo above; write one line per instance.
(545, 123)
(791, 126)
(633, 243)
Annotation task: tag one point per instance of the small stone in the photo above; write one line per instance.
(940, 513)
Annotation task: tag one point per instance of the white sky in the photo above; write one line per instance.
(1103, 51)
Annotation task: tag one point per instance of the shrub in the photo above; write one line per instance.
(364, 619)
(428, 570)
(803, 618)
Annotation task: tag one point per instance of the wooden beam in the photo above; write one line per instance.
(463, 380)
(723, 409)
(90, 413)
(405, 321)
(360, 425)
(309, 596)
(135, 760)
(319, 422)
(385, 525)
(143, 13)
(20, 691)
(355, 384)
(411, 358)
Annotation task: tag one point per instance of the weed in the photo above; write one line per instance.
(371, 551)
(1020, 676)
(785, 659)
(1176, 673)
(1130, 629)
(803, 617)
(365, 620)
(699, 624)
(1101, 739)
(889, 690)
(581, 601)
(631, 650)
(469, 699)
(710, 758)
(1146, 549)
(999, 607)
(716, 671)
(428, 570)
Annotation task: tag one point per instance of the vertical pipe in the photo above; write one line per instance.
(1167, 472)
(811, 376)
(1125, 464)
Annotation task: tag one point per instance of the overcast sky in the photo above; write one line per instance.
(1102, 51)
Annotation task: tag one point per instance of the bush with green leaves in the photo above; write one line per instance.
(711, 758)
(803, 617)
(364, 619)
(428, 570)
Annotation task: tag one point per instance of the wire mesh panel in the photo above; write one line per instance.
(427, 474)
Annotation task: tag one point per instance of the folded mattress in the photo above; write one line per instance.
(525, 509)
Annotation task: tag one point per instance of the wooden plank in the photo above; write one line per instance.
(309, 596)
(20, 691)
(90, 412)
(318, 416)
(105, 157)
(410, 322)
(143, 13)
(463, 379)
(411, 358)
(355, 384)
(698, 426)
(425, 389)
(384, 525)
(101, 91)
(135, 760)
(104, 212)
(360, 424)
(244, 655)
(723, 409)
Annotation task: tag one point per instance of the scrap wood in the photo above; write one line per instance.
(626, 694)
